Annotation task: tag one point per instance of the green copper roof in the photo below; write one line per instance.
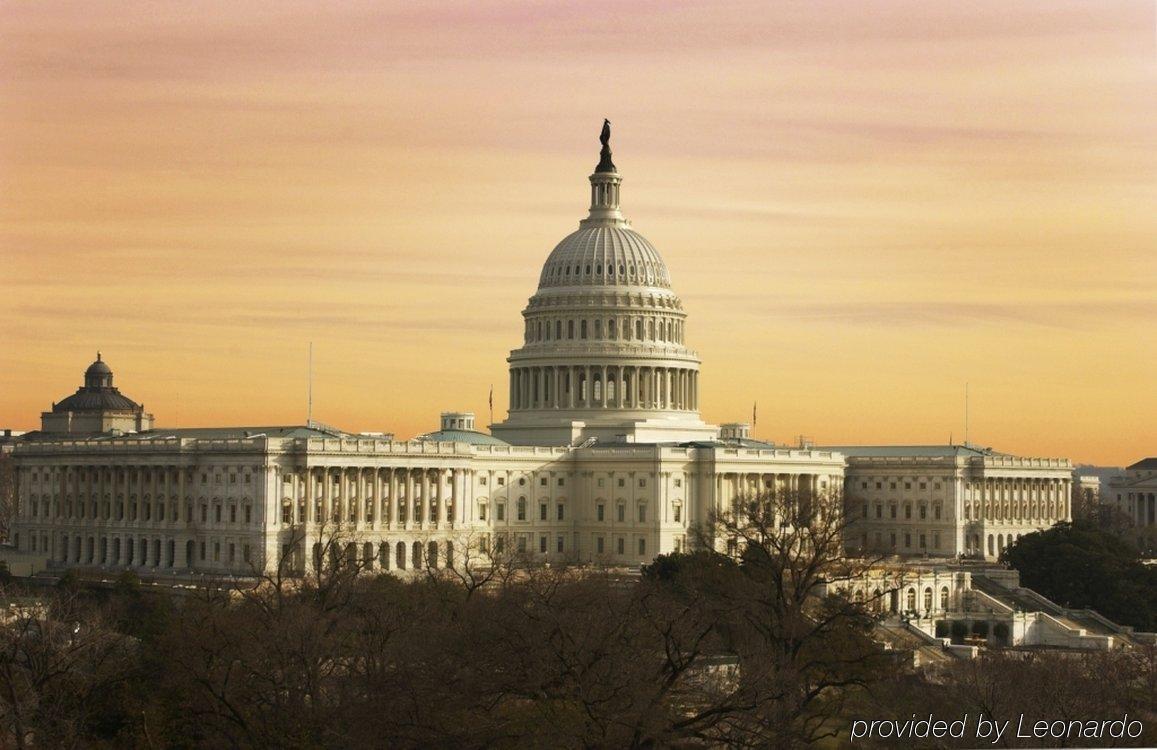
(909, 451)
(461, 436)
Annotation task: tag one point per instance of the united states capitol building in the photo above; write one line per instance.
(603, 458)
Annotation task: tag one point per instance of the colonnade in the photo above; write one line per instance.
(604, 386)
(366, 498)
(1017, 501)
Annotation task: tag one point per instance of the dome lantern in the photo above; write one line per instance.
(605, 184)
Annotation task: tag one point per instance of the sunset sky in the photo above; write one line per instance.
(863, 205)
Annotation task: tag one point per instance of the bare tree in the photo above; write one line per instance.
(801, 651)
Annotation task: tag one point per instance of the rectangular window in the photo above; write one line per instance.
(561, 512)
(542, 512)
(622, 513)
(521, 543)
(893, 539)
(561, 481)
(642, 482)
(542, 481)
(248, 514)
(558, 544)
(923, 541)
(502, 511)
(599, 546)
(542, 544)
(879, 511)
(936, 540)
(482, 512)
(232, 514)
(642, 546)
(600, 482)
(599, 509)
(622, 482)
(620, 545)
(642, 514)
(678, 482)
(245, 553)
(907, 540)
(501, 481)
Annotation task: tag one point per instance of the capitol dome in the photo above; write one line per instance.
(604, 255)
(603, 352)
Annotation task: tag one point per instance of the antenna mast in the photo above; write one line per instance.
(966, 413)
(309, 407)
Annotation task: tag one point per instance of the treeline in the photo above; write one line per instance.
(700, 651)
(1083, 566)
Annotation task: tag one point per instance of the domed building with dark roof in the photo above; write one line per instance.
(97, 407)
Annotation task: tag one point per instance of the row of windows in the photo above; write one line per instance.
(661, 329)
(145, 511)
(421, 511)
(907, 537)
(560, 511)
(894, 485)
(163, 477)
(521, 544)
(644, 272)
(542, 481)
(1015, 509)
(893, 507)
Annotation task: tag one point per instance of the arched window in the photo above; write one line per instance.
(432, 554)
(522, 509)
(928, 599)
(944, 598)
(368, 555)
(911, 600)
(639, 329)
(416, 555)
(450, 555)
(401, 556)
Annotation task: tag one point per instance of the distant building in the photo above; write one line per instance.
(9, 438)
(97, 407)
(1086, 494)
(949, 500)
(1134, 494)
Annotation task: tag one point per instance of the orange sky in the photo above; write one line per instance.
(862, 204)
